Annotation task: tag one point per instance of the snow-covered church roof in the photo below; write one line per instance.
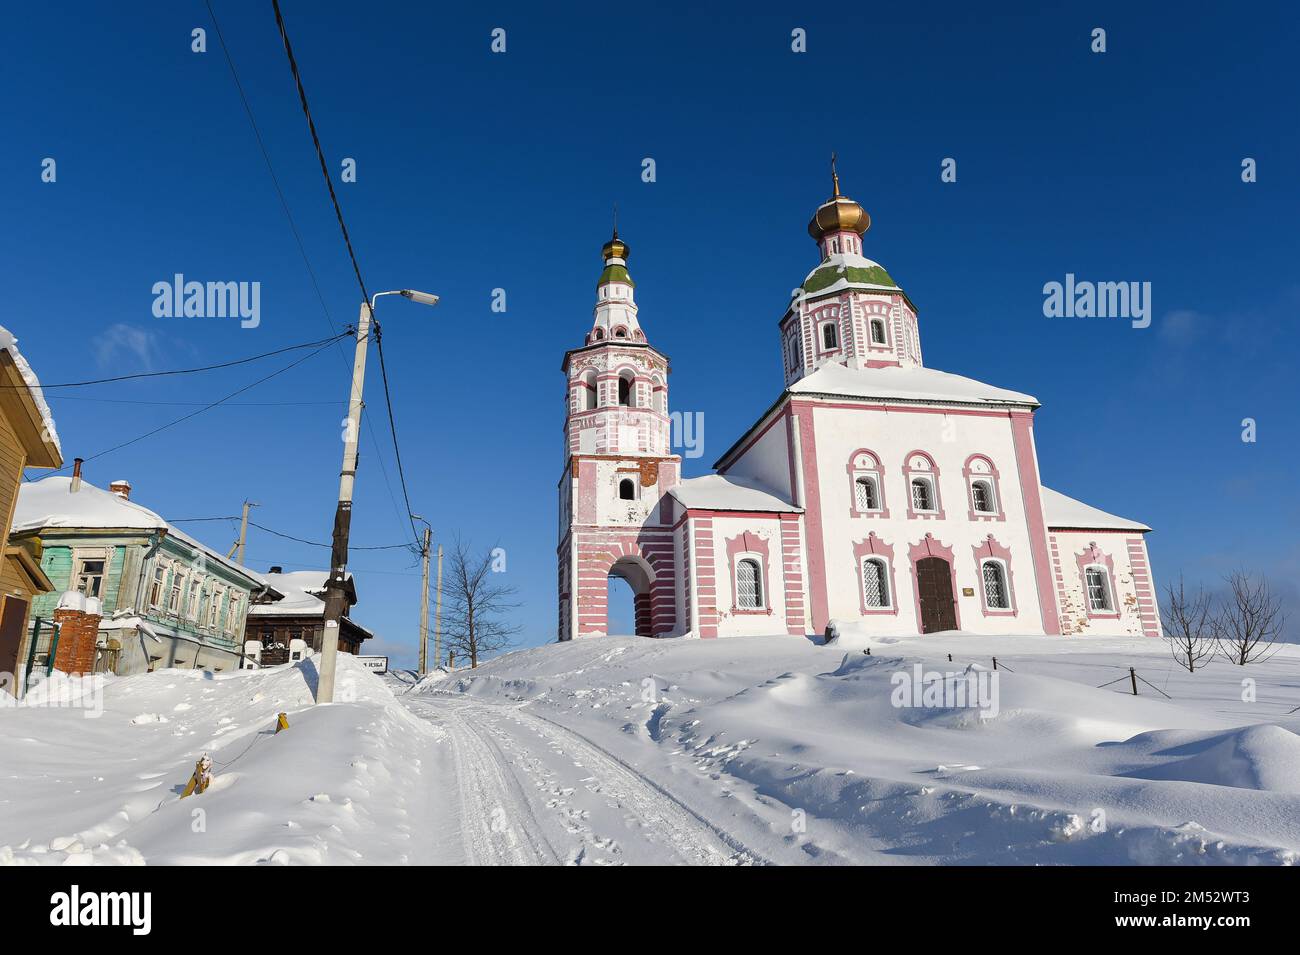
(906, 383)
(1065, 512)
(717, 492)
(843, 270)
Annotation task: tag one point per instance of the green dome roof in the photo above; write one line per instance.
(615, 273)
(837, 269)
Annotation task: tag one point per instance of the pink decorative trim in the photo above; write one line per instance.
(991, 549)
(1094, 556)
(1148, 611)
(873, 546)
(705, 583)
(933, 474)
(748, 543)
(792, 571)
(1022, 433)
(812, 515)
(872, 468)
(928, 546)
(993, 477)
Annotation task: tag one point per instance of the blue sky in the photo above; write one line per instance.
(479, 171)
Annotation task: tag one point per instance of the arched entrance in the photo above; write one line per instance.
(638, 576)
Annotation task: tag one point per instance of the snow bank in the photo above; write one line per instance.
(805, 753)
(341, 785)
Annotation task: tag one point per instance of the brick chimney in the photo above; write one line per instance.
(78, 618)
(122, 489)
(75, 486)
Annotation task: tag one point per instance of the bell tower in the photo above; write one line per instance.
(614, 517)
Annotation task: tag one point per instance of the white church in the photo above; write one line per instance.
(874, 490)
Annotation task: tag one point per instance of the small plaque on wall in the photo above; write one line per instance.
(968, 591)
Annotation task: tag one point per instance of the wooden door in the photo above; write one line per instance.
(934, 586)
(11, 634)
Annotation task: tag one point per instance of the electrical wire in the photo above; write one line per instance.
(207, 407)
(347, 241)
(297, 236)
(193, 371)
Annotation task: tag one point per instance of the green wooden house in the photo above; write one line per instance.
(168, 600)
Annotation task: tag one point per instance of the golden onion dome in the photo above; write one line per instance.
(615, 248)
(839, 213)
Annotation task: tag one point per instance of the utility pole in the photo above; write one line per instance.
(243, 530)
(424, 608)
(336, 586)
(437, 613)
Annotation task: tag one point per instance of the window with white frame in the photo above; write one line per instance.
(627, 490)
(877, 331)
(830, 336)
(176, 591)
(1098, 583)
(923, 494)
(89, 575)
(866, 493)
(749, 584)
(195, 596)
(875, 582)
(996, 594)
(981, 495)
(232, 614)
(156, 588)
(214, 606)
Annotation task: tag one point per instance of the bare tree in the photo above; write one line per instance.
(1250, 621)
(476, 603)
(1189, 624)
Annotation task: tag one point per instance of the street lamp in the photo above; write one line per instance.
(335, 587)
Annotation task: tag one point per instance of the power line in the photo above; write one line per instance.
(320, 153)
(347, 240)
(193, 371)
(297, 236)
(269, 530)
(229, 404)
(192, 414)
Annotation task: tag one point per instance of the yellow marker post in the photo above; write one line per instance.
(282, 722)
(202, 777)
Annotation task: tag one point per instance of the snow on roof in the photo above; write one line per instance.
(304, 593)
(915, 384)
(50, 503)
(723, 493)
(10, 344)
(843, 269)
(1065, 512)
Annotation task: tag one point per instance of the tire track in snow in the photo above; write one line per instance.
(503, 752)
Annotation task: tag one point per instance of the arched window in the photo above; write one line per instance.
(981, 493)
(875, 583)
(627, 490)
(866, 494)
(620, 332)
(589, 393)
(598, 334)
(625, 392)
(749, 584)
(996, 596)
(922, 494)
(878, 331)
(830, 336)
(1098, 584)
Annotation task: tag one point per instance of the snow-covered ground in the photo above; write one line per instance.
(791, 752)
(342, 784)
(623, 750)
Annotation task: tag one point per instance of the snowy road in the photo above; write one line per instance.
(529, 792)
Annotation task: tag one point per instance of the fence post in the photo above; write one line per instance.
(1132, 675)
(54, 645)
(995, 663)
